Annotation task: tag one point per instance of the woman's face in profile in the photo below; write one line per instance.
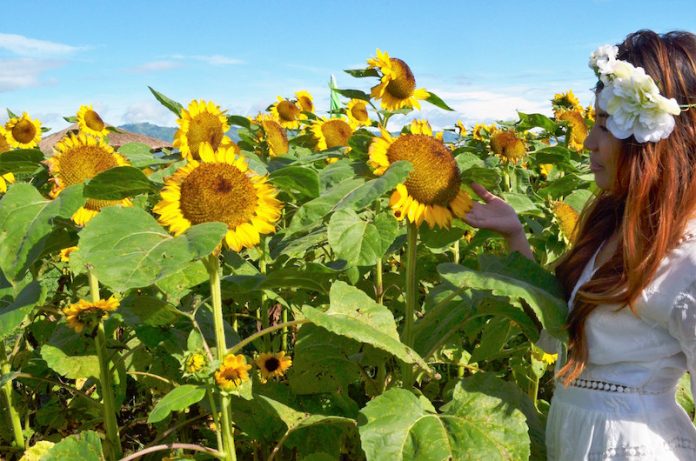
(604, 151)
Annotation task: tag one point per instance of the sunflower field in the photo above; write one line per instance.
(307, 291)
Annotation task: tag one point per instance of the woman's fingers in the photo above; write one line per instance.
(482, 192)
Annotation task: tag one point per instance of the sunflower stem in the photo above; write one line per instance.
(411, 290)
(216, 419)
(264, 306)
(455, 252)
(379, 284)
(12, 413)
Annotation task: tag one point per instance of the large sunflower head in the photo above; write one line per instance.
(565, 101)
(508, 146)
(397, 87)
(305, 101)
(332, 132)
(202, 122)
(233, 371)
(86, 315)
(23, 132)
(90, 122)
(78, 158)
(220, 188)
(357, 113)
(287, 113)
(432, 190)
(273, 134)
(577, 128)
(273, 365)
(567, 219)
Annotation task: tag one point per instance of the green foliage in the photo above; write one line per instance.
(179, 399)
(85, 446)
(118, 183)
(21, 161)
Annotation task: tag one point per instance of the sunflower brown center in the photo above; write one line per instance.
(218, 192)
(94, 121)
(336, 133)
(230, 374)
(276, 137)
(404, 84)
(435, 177)
(359, 112)
(508, 145)
(272, 364)
(24, 131)
(204, 127)
(288, 111)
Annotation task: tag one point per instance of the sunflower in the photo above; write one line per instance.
(482, 131)
(420, 127)
(4, 147)
(508, 146)
(78, 158)
(90, 122)
(589, 113)
(305, 100)
(220, 187)
(545, 169)
(194, 362)
(87, 314)
(232, 373)
(23, 132)
(397, 88)
(460, 128)
(577, 127)
(432, 190)
(332, 132)
(287, 113)
(357, 113)
(65, 253)
(542, 356)
(273, 365)
(567, 219)
(565, 101)
(202, 122)
(275, 136)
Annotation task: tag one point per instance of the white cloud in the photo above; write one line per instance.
(214, 60)
(24, 46)
(148, 111)
(23, 73)
(155, 66)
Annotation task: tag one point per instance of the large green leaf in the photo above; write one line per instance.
(362, 73)
(70, 355)
(179, 283)
(375, 188)
(549, 309)
(357, 316)
(521, 203)
(311, 278)
(180, 398)
(294, 419)
(170, 104)
(26, 222)
(298, 180)
(313, 211)
(118, 183)
(21, 161)
(440, 322)
(528, 121)
(562, 186)
(437, 101)
(85, 446)
(137, 309)
(139, 155)
(127, 248)
(359, 242)
(12, 315)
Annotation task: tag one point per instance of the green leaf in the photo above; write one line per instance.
(21, 161)
(521, 203)
(85, 446)
(297, 247)
(528, 121)
(436, 101)
(440, 238)
(26, 221)
(356, 241)
(118, 183)
(298, 180)
(239, 121)
(549, 310)
(362, 73)
(179, 399)
(375, 188)
(493, 338)
(466, 160)
(440, 322)
(139, 155)
(170, 104)
(517, 266)
(563, 186)
(179, 283)
(70, 354)
(487, 177)
(313, 211)
(11, 316)
(127, 248)
(355, 315)
(70, 119)
(139, 309)
(354, 94)
(294, 419)
(312, 278)
(578, 199)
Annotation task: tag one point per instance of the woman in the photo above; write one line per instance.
(630, 278)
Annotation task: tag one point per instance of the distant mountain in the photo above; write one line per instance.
(165, 133)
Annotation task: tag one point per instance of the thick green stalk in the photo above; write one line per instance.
(113, 439)
(379, 284)
(411, 291)
(12, 413)
(264, 306)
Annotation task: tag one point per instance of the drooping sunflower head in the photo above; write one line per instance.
(287, 113)
(202, 122)
(357, 113)
(65, 253)
(89, 122)
(508, 146)
(332, 132)
(273, 365)
(233, 371)
(78, 158)
(576, 126)
(397, 87)
(305, 101)
(567, 219)
(432, 190)
(461, 129)
(220, 188)
(85, 315)
(565, 101)
(194, 362)
(23, 132)
(273, 134)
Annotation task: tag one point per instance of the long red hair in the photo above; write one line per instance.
(653, 197)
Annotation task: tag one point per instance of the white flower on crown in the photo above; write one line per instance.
(632, 99)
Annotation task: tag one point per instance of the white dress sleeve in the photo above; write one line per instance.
(682, 326)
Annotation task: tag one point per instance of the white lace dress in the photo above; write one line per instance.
(623, 405)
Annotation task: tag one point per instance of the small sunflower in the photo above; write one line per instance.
(577, 127)
(461, 129)
(589, 113)
(23, 132)
(194, 362)
(65, 253)
(545, 169)
(305, 100)
(332, 132)
(397, 88)
(87, 314)
(90, 122)
(508, 146)
(220, 187)
(357, 113)
(542, 356)
(432, 190)
(287, 113)
(565, 101)
(567, 219)
(275, 136)
(420, 127)
(481, 131)
(78, 158)
(201, 122)
(273, 365)
(233, 371)
(4, 147)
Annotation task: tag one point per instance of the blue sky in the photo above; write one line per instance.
(487, 59)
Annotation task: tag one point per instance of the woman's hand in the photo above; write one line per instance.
(494, 214)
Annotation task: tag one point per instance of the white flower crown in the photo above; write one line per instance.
(631, 98)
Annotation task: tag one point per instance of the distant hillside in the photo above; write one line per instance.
(165, 133)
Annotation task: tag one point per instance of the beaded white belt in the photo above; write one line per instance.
(602, 386)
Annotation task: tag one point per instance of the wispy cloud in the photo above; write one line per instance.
(156, 66)
(30, 47)
(213, 60)
(23, 73)
(148, 111)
